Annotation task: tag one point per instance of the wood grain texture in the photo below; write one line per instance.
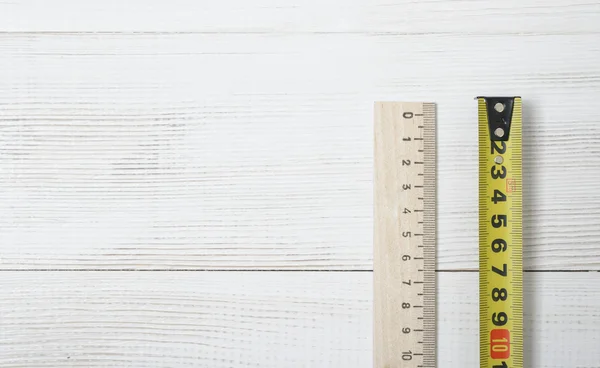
(184, 319)
(234, 320)
(255, 150)
(309, 16)
(236, 134)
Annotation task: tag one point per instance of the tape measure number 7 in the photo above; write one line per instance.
(500, 232)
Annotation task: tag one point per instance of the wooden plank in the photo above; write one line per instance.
(254, 151)
(184, 319)
(555, 313)
(291, 319)
(381, 16)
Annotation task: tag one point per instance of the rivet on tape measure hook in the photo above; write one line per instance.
(500, 232)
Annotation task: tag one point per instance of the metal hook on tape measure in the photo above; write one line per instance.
(499, 116)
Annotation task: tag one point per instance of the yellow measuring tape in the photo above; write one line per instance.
(500, 232)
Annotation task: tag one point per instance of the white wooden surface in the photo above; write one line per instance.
(241, 319)
(236, 135)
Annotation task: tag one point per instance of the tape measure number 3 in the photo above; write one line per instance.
(500, 232)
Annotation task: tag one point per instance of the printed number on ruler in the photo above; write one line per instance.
(404, 235)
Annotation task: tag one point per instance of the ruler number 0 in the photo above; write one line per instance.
(407, 115)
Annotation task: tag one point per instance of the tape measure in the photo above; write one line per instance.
(404, 235)
(500, 232)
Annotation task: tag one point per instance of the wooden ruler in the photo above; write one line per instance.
(404, 235)
(500, 232)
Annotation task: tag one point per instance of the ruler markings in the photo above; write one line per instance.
(404, 236)
(500, 233)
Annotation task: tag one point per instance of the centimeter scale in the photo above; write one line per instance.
(404, 235)
(500, 232)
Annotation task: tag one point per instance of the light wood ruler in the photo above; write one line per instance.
(404, 235)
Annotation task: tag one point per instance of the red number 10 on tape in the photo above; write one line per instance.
(499, 344)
